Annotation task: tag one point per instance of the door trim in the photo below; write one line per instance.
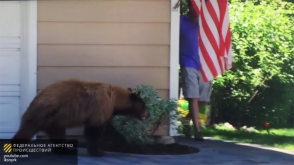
(174, 59)
(28, 64)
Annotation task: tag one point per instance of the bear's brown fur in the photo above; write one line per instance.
(70, 103)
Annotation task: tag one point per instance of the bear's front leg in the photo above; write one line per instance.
(58, 135)
(93, 136)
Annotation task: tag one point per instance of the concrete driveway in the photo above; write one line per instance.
(214, 152)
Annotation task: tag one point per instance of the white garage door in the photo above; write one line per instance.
(10, 53)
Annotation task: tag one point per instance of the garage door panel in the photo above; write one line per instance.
(11, 9)
(9, 90)
(10, 114)
(9, 43)
(9, 67)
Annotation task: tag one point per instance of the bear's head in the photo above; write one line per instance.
(135, 107)
(138, 107)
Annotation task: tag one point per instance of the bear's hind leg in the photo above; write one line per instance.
(58, 136)
(23, 136)
(25, 133)
(93, 135)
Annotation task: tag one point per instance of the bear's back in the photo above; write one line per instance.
(77, 89)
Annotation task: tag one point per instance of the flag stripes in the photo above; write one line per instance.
(215, 47)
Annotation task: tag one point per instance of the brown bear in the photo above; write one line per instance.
(71, 103)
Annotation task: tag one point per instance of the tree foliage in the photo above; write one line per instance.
(260, 86)
(262, 36)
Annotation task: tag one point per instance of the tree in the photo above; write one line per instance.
(262, 36)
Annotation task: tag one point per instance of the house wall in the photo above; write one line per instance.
(124, 42)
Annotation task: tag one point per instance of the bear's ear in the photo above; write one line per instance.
(135, 96)
(138, 93)
(130, 89)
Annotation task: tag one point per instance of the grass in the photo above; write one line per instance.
(279, 138)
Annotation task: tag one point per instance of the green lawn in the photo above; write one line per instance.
(279, 138)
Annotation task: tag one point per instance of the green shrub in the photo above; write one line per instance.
(161, 111)
(183, 7)
(259, 87)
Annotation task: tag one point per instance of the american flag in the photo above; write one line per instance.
(215, 46)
